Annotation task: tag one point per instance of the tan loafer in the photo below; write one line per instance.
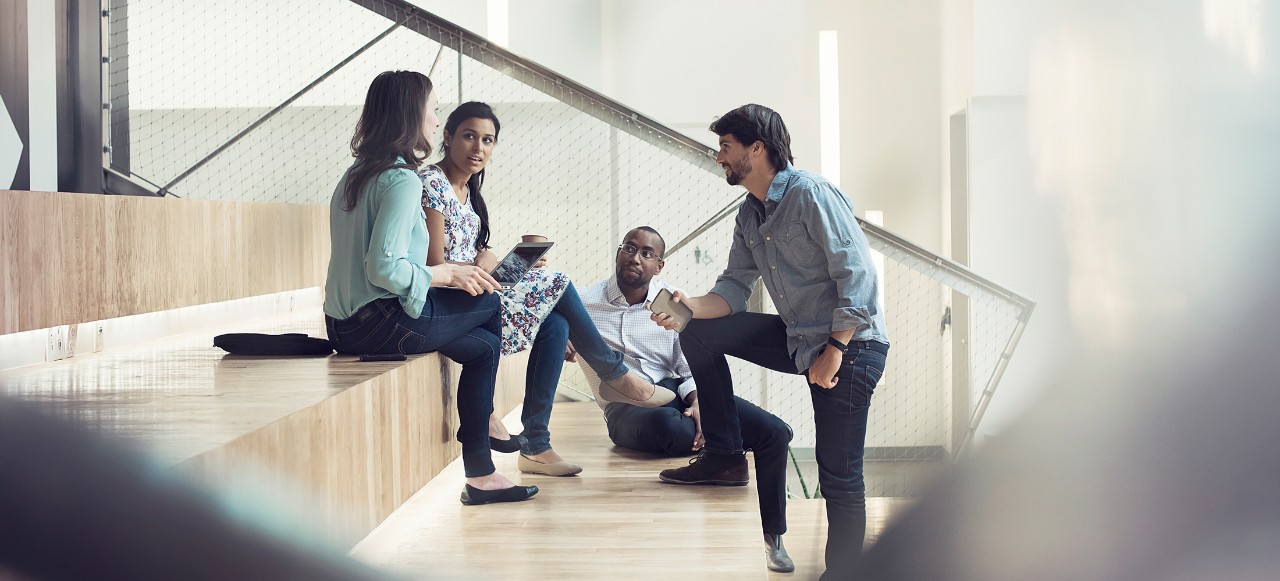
(618, 390)
(561, 468)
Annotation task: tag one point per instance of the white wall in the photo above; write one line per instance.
(562, 34)
(1015, 230)
(1003, 33)
(716, 55)
(890, 69)
(684, 63)
(1016, 239)
(956, 46)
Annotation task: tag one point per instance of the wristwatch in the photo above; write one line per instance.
(838, 345)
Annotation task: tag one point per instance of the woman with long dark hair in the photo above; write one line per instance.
(380, 296)
(542, 312)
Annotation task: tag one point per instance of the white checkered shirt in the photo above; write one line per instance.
(652, 351)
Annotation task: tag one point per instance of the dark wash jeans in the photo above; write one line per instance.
(666, 430)
(461, 327)
(840, 414)
(568, 321)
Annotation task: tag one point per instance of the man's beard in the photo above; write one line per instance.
(630, 278)
(737, 171)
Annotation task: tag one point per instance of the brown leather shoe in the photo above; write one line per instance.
(708, 468)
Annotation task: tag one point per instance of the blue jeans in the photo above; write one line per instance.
(461, 327)
(666, 430)
(568, 321)
(840, 414)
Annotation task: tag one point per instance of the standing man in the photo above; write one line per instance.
(619, 308)
(797, 233)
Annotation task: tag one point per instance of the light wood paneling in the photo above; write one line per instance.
(74, 258)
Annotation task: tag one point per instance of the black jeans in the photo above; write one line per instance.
(840, 414)
(461, 327)
(666, 430)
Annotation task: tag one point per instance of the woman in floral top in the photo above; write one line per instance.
(543, 311)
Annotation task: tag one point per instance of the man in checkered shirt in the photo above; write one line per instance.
(619, 307)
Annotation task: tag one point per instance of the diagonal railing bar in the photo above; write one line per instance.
(538, 77)
(990, 388)
(723, 214)
(952, 273)
(164, 191)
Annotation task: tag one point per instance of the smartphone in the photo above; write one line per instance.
(665, 303)
(383, 357)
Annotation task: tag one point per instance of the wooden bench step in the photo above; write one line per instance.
(334, 441)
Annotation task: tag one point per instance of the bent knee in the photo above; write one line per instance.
(695, 330)
(783, 430)
(555, 326)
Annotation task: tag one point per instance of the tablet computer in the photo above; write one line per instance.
(516, 263)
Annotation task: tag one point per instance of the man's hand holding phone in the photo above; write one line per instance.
(669, 310)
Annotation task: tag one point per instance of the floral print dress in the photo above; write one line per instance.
(524, 306)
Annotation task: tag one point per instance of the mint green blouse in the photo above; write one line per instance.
(379, 248)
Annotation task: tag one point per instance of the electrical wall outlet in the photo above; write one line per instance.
(59, 345)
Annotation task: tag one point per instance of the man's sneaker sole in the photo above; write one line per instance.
(713, 482)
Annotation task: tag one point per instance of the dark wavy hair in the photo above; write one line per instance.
(465, 111)
(390, 126)
(751, 123)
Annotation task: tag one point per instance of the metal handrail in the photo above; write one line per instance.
(570, 92)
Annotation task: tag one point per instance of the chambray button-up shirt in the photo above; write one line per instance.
(805, 244)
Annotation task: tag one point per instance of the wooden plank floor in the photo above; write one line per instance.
(615, 521)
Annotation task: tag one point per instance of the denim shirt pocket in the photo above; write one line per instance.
(796, 246)
(790, 232)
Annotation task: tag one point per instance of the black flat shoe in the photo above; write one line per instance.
(472, 496)
(508, 445)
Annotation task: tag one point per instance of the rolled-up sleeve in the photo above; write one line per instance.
(387, 262)
(741, 273)
(829, 217)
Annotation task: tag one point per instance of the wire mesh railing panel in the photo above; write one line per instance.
(299, 154)
(199, 72)
(994, 322)
(257, 101)
(908, 409)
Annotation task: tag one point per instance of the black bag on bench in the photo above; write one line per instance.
(263, 344)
